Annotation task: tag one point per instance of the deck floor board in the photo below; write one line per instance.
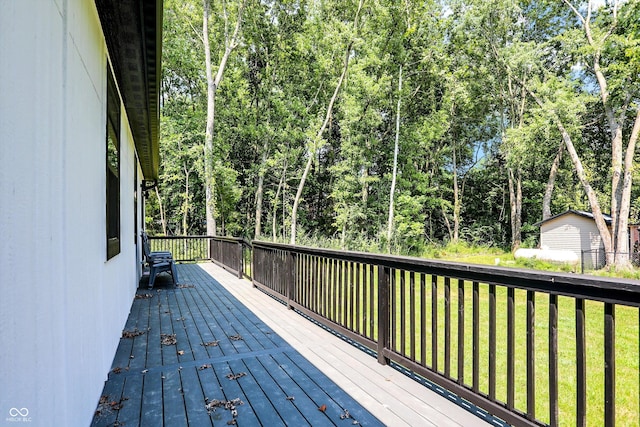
(158, 383)
(386, 393)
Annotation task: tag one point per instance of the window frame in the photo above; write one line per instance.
(112, 167)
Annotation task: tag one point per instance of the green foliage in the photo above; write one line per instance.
(465, 66)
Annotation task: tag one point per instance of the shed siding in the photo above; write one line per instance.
(571, 232)
(63, 305)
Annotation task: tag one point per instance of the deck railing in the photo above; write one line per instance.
(183, 248)
(532, 348)
(233, 254)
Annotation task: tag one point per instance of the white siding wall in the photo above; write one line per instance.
(571, 232)
(62, 305)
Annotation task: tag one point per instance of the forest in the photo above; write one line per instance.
(392, 125)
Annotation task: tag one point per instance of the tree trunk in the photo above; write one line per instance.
(208, 138)
(456, 200)
(163, 220)
(446, 222)
(622, 257)
(515, 203)
(605, 235)
(275, 203)
(212, 86)
(616, 242)
(548, 193)
(591, 194)
(395, 164)
(185, 206)
(318, 137)
(365, 187)
(260, 192)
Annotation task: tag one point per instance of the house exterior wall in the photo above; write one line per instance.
(572, 232)
(62, 305)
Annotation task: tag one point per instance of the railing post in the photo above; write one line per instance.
(253, 267)
(383, 313)
(240, 260)
(211, 249)
(290, 268)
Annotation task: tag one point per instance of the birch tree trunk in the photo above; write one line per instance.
(617, 250)
(213, 83)
(163, 219)
(515, 201)
(260, 191)
(276, 198)
(185, 206)
(318, 138)
(456, 200)
(607, 240)
(548, 192)
(396, 149)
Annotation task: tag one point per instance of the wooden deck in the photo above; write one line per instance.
(188, 351)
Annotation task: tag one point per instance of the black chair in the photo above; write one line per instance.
(158, 262)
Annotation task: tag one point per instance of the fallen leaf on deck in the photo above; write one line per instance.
(291, 398)
(107, 406)
(322, 408)
(212, 405)
(235, 337)
(168, 339)
(180, 352)
(203, 367)
(345, 415)
(185, 286)
(116, 370)
(143, 296)
(210, 343)
(236, 376)
(132, 333)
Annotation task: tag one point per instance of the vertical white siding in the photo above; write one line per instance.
(571, 232)
(63, 305)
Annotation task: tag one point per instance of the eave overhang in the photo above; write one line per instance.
(133, 34)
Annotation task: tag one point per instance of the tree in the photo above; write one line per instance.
(213, 83)
(606, 51)
(316, 142)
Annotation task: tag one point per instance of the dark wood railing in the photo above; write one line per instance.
(183, 248)
(519, 344)
(233, 254)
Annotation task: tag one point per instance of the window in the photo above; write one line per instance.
(113, 167)
(135, 200)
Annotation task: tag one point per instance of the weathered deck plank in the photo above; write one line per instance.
(156, 383)
(392, 397)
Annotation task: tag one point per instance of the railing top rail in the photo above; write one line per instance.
(604, 289)
(228, 239)
(178, 237)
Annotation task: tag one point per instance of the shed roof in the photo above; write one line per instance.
(585, 214)
(133, 33)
